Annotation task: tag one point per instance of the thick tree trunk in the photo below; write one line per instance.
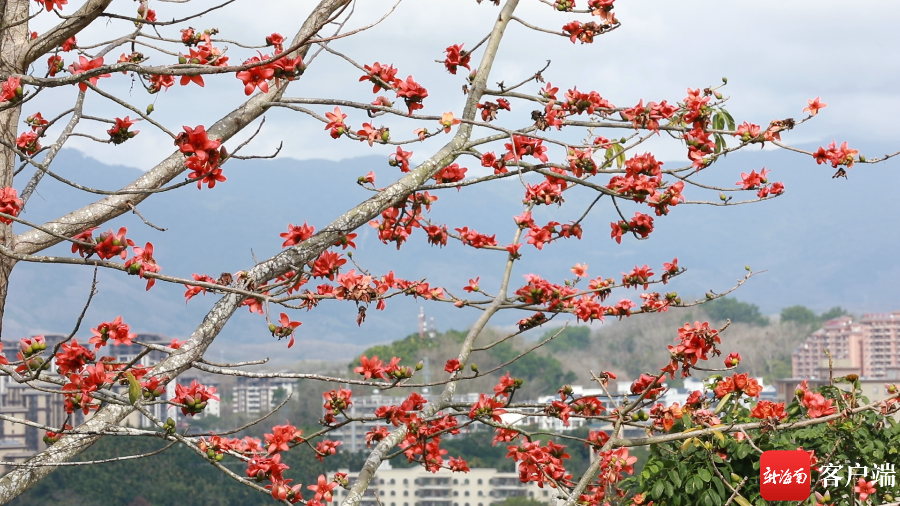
(13, 44)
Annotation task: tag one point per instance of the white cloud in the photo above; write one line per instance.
(775, 54)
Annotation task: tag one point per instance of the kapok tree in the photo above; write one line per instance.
(703, 452)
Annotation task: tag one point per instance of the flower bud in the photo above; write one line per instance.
(474, 367)
(182, 60)
(725, 80)
(149, 108)
(420, 365)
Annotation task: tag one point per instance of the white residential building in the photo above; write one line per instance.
(415, 486)
(253, 396)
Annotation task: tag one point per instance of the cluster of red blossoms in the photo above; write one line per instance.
(204, 156)
(385, 78)
(538, 236)
(739, 383)
(694, 343)
(753, 181)
(587, 306)
(85, 374)
(643, 182)
(398, 222)
(836, 155)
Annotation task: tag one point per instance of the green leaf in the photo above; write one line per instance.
(134, 388)
(689, 485)
(742, 502)
(675, 478)
(729, 119)
(704, 474)
(670, 491)
(657, 490)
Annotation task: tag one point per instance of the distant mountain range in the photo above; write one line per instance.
(824, 243)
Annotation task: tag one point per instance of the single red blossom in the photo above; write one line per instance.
(451, 174)
(336, 123)
(258, 76)
(297, 234)
(11, 89)
(580, 270)
(10, 203)
(69, 44)
(452, 365)
(447, 122)
(119, 133)
(458, 465)
(193, 290)
(814, 106)
(281, 437)
(412, 93)
(116, 330)
(817, 405)
(472, 286)
(275, 40)
(55, 64)
(28, 142)
(84, 65)
(733, 359)
(864, 488)
(347, 240)
(487, 407)
(110, 244)
(326, 448)
(456, 57)
(400, 159)
(160, 82)
(284, 328)
(323, 489)
(50, 4)
(143, 262)
(370, 367)
(382, 77)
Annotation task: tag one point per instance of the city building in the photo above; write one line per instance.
(868, 347)
(18, 442)
(415, 486)
(254, 396)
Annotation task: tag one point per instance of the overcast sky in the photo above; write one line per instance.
(776, 55)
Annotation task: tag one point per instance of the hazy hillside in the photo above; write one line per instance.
(825, 243)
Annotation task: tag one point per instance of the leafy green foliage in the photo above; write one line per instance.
(727, 308)
(411, 348)
(833, 313)
(702, 470)
(802, 315)
(175, 477)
